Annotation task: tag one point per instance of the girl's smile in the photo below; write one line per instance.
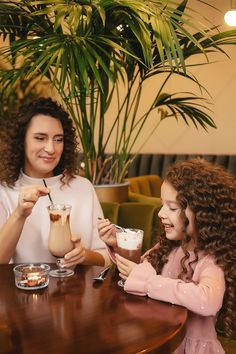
(168, 227)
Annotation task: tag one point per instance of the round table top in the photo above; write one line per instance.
(78, 315)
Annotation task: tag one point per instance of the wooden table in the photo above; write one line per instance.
(76, 315)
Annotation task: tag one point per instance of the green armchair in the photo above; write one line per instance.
(145, 189)
(148, 185)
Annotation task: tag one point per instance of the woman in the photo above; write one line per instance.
(39, 142)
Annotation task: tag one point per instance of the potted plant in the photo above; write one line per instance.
(95, 52)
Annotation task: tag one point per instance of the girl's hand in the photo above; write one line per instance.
(125, 266)
(77, 255)
(107, 232)
(28, 197)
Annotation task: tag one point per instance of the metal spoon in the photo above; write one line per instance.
(116, 226)
(119, 227)
(102, 275)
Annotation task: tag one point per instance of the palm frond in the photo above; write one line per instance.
(89, 51)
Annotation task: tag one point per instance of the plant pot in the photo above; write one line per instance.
(117, 193)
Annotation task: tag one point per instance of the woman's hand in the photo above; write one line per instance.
(28, 197)
(77, 255)
(107, 232)
(125, 266)
(81, 255)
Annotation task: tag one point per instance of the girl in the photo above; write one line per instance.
(193, 262)
(40, 143)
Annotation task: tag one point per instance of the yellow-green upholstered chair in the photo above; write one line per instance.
(145, 189)
(148, 185)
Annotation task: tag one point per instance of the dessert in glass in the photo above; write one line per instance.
(129, 245)
(59, 240)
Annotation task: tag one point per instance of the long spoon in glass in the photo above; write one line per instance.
(49, 195)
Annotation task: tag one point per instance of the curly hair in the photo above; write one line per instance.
(13, 135)
(210, 192)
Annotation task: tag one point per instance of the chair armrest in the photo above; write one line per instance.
(141, 198)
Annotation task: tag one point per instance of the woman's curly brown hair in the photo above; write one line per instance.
(210, 192)
(13, 136)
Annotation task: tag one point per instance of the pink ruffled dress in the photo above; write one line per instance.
(203, 297)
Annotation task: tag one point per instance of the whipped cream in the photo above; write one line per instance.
(130, 240)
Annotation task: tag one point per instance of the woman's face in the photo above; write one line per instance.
(43, 146)
(170, 215)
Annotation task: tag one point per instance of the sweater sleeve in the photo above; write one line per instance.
(3, 212)
(203, 297)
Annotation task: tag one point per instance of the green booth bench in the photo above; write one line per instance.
(157, 164)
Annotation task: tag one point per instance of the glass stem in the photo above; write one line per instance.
(60, 267)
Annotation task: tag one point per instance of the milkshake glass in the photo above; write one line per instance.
(129, 245)
(59, 240)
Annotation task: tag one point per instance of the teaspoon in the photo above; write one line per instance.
(119, 227)
(116, 226)
(102, 275)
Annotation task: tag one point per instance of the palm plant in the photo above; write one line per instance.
(95, 51)
(25, 90)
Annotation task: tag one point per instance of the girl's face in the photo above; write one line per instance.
(170, 215)
(43, 146)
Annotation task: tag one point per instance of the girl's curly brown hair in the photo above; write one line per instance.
(210, 192)
(13, 136)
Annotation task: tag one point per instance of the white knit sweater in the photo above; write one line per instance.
(33, 243)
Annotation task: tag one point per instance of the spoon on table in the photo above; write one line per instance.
(102, 275)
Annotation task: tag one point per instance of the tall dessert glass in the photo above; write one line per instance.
(129, 245)
(59, 241)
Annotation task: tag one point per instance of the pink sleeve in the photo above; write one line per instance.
(204, 298)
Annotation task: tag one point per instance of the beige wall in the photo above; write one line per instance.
(220, 80)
